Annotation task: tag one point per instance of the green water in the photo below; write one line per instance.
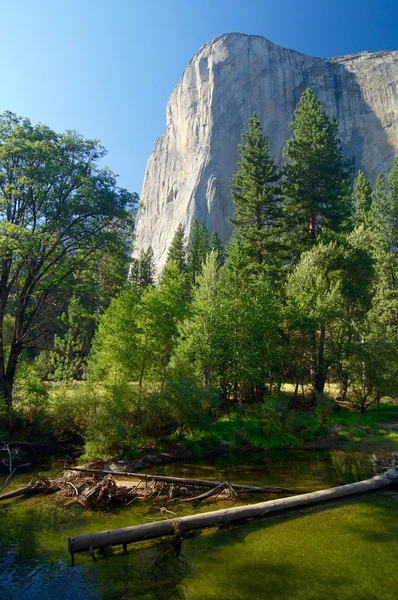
(345, 550)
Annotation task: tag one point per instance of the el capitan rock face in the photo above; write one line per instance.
(229, 78)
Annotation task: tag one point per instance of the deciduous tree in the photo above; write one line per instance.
(57, 209)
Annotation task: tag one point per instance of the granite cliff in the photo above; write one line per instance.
(188, 172)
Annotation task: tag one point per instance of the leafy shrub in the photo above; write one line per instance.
(69, 409)
(181, 404)
(323, 409)
(30, 398)
(112, 420)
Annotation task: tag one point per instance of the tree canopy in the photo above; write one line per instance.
(58, 207)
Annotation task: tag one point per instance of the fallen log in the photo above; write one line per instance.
(19, 492)
(138, 533)
(44, 485)
(203, 483)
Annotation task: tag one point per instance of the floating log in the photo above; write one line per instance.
(138, 533)
(203, 483)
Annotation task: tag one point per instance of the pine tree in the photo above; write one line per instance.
(384, 248)
(393, 197)
(380, 214)
(216, 245)
(177, 250)
(143, 271)
(198, 249)
(316, 179)
(362, 197)
(255, 197)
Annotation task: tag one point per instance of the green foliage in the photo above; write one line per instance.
(231, 341)
(316, 180)
(112, 419)
(177, 249)
(182, 404)
(203, 335)
(30, 398)
(198, 249)
(143, 271)
(362, 197)
(116, 345)
(268, 425)
(68, 409)
(327, 298)
(305, 293)
(217, 247)
(256, 199)
(254, 349)
(57, 209)
(372, 368)
(380, 213)
(384, 242)
(323, 409)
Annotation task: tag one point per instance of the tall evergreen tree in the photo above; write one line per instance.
(393, 197)
(143, 270)
(316, 180)
(177, 250)
(380, 214)
(198, 249)
(255, 197)
(216, 245)
(384, 235)
(362, 197)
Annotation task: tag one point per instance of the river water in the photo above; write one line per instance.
(345, 550)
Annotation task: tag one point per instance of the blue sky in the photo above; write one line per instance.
(106, 67)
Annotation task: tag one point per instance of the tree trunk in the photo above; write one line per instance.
(7, 379)
(318, 372)
(343, 380)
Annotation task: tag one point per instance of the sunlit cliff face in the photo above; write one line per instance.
(229, 78)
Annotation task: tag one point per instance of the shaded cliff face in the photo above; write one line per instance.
(229, 78)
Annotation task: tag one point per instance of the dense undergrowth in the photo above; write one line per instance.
(115, 420)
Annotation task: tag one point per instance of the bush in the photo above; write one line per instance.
(30, 399)
(323, 409)
(182, 404)
(69, 409)
(112, 420)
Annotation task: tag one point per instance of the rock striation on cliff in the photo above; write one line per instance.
(230, 77)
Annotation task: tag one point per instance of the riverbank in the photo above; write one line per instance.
(371, 432)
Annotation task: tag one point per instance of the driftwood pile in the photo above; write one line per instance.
(381, 464)
(96, 488)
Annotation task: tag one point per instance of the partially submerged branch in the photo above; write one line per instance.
(10, 454)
